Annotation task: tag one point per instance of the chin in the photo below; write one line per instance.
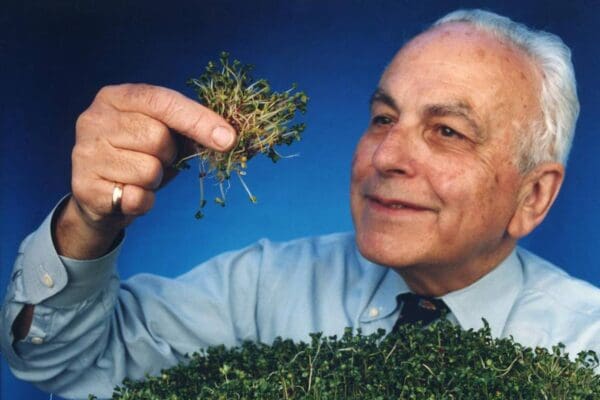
(389, 250)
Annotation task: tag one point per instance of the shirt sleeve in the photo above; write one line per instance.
(90, 330)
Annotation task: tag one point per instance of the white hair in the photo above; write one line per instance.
(549, 139)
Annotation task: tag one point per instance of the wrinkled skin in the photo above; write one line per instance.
(436, 191)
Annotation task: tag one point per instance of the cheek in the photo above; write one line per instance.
(467, 192)
(476, 179)
(362, 158)
(451, 181)
(477, 199)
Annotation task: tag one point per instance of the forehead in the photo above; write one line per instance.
(459, 62)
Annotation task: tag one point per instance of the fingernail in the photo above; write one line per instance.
(222, 137)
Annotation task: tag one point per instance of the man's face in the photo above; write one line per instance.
(435, 179)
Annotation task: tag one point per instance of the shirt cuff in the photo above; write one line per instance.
(56, 280)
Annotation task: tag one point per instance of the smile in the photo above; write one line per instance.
(394, 206)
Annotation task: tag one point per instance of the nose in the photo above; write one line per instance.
(396, 153)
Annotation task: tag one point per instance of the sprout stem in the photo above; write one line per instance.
(188, 158)
(222, 191)
(246, 188)
(201, 176)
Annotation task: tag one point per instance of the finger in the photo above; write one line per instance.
(131, 167)
(97, 198)
(140, 133)
(136, 200)
(173, 109)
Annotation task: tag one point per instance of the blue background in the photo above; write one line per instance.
(54, 56)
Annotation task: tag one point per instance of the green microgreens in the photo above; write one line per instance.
(261, 117)
(440, 361)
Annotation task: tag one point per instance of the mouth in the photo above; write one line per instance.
(394, 205)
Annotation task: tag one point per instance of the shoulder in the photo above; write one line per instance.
(323, 254)
(312, 246)
(554, 307)
(545, 280)
(267, 254)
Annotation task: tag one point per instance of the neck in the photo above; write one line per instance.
(439, 279)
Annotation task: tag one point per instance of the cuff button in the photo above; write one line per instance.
(37, 340)
(48, 281)
(373, 312)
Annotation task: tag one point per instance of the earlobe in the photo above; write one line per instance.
(539, 189)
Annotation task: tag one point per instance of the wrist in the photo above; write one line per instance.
(76, 235)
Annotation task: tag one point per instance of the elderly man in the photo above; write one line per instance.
(470, 128)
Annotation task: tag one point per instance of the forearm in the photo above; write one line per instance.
(73, 237)
(88, 332)
(47, 293)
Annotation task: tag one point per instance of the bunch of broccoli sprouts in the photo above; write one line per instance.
(261, 117)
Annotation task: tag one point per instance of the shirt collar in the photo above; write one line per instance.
(383, 302)
(491, 297)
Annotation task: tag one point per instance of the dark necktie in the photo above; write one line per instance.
(417, 308)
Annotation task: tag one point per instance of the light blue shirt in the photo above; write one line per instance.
(90, 330)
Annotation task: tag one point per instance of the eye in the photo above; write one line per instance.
(449, 132)
(381, 120)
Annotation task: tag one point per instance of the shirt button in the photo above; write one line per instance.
(48, 281)
(373, 312)
(37, 340)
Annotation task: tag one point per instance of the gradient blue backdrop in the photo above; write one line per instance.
(55, 55)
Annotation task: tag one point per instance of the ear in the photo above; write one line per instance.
(539, 189)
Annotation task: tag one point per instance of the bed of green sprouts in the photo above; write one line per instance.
(440, 361)
(262, 118)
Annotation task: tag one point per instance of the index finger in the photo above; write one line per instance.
(175, 110)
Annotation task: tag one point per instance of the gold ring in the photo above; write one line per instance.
(117, 195)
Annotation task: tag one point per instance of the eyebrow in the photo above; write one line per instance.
(461, 109)
(381, 96)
